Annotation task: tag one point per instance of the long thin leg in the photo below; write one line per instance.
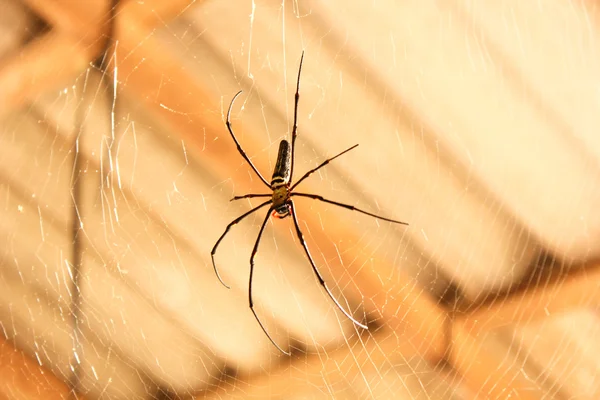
(295, 128)
(242, 152)
(324, 163)
(314, 267)
(254, 250)
(251, 195)
(348, 206)
(235, 221)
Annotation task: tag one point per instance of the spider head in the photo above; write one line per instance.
(282, 211)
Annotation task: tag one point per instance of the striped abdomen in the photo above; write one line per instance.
(281, 173)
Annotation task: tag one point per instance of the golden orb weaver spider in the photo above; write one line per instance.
(281, 204)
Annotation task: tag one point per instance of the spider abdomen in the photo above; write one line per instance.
(280, 181)
(281, 173)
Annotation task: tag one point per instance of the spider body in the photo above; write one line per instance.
(280, 183)
(281, 205)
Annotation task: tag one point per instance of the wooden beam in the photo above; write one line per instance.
(488, 367)
(579, 289)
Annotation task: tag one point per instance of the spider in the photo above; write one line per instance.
(281, 204)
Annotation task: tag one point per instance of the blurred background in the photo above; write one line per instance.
(477, 123)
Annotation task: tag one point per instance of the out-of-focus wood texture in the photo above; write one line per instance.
(554, 297)
(481, 206)
(24, 379)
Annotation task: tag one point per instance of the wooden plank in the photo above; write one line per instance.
(22, 378)
(580, 289)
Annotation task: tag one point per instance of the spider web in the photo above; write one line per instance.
(475, 124)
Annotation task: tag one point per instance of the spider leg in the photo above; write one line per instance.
(242, 152)
(235, 221)
(254, 250)
(251, 195)
(314, 267)
(324, 163)
(295, 128)
(348, 206)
